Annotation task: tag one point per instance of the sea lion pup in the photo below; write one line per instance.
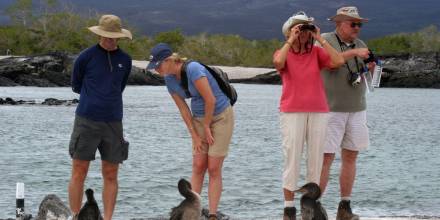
(190, 208)
(311, 208)
(90, 210)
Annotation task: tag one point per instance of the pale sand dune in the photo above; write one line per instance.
(234, 72)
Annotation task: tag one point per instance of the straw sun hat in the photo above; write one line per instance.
(110, 26)
(347, 13)
(298, 18)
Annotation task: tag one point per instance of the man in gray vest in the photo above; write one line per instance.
(345, 87)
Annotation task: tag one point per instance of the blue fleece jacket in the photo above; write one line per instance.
(100, 76)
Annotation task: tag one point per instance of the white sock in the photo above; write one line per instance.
(346, 198)
(288, 204)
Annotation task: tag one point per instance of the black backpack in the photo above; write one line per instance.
(219, 75)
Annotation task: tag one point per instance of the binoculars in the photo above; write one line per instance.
(307, 27)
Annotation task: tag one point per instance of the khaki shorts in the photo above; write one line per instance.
(89, 136)
(222, 126)
(347, 130)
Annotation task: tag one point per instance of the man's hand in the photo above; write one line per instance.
(361, 52)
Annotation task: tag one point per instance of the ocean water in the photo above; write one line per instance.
(399, 175)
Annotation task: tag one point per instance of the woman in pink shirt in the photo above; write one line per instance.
(303, 103)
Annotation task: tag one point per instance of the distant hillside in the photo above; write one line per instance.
(256, 19)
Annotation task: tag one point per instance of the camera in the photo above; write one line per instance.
(354, 79)
(307, 27)
(371, 57)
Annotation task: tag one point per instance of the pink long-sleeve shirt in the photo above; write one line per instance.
(302, 86)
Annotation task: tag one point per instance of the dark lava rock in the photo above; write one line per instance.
(55, 69)
(44, 71)
(140, 76)
(403, 70)
(267, 78)
(48, 101)
(412, 71)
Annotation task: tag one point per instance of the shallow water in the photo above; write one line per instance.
(397, 176)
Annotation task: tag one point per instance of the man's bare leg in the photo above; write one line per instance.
(110, 189)
(76, 185)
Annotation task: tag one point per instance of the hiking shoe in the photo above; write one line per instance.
(344, 211)
(289, 213)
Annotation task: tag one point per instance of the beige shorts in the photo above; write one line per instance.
(222, 126)
(347, 130)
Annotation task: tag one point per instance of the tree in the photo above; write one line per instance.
(174, 38)
(47, 9)
(20, 12)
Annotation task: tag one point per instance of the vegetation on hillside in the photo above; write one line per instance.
(425, 40)
(49, 28)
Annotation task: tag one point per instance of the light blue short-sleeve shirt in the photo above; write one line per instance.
(195, 71)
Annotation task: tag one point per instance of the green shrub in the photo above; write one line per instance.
(425, 40)
(49, 30)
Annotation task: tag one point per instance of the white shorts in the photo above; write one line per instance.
(347, 130)
(297, 130)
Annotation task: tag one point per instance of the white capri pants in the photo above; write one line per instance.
(298, 129)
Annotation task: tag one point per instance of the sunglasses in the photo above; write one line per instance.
(354, 24)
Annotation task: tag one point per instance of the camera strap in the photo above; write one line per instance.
(342, 45)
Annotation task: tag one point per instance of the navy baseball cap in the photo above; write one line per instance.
(158, 54)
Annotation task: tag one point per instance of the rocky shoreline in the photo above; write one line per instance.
(399, 71)
(53, 70)
(47, 101)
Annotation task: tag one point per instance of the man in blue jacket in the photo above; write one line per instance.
(99, 75)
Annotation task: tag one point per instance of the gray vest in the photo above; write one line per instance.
(341, 95)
